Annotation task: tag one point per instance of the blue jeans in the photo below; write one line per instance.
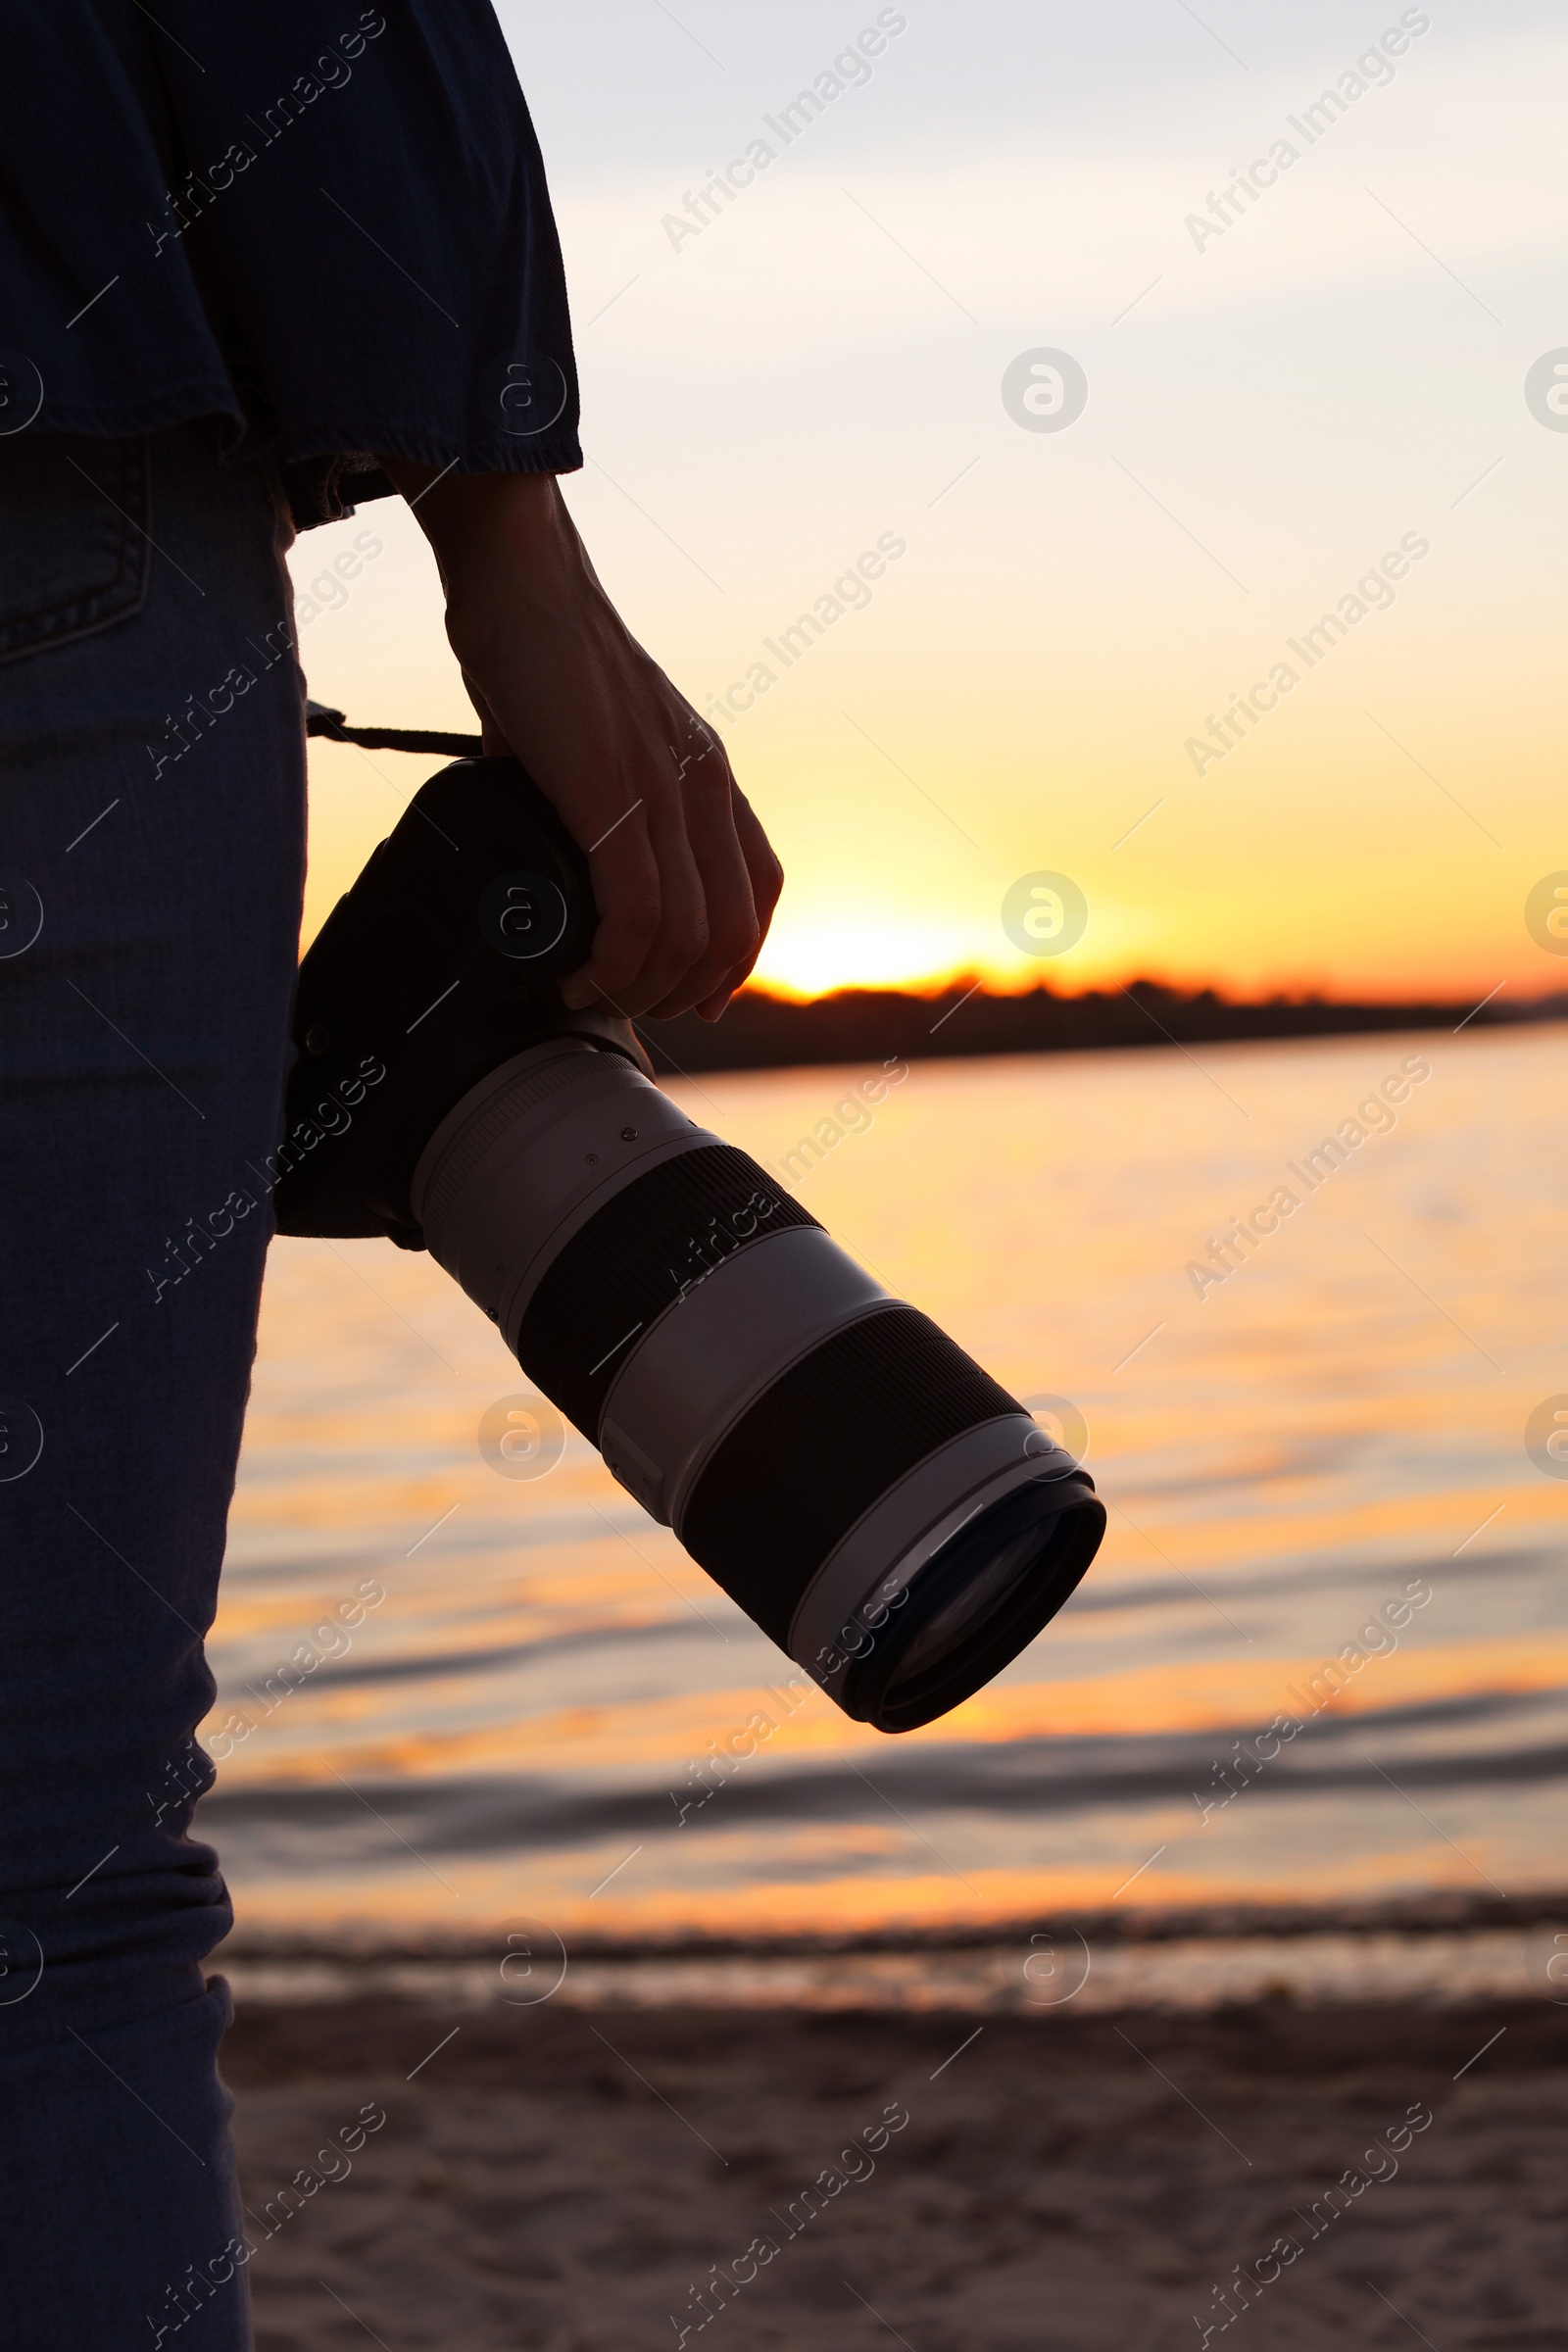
(152, 803)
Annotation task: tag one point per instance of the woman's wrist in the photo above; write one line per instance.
(507, 552)
(683, 878)
(485, 521)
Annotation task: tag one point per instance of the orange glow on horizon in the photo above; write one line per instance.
(903, 922)
(934, 986)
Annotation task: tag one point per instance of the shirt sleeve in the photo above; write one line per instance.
(329, 230)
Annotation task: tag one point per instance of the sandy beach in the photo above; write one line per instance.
(552, 2178)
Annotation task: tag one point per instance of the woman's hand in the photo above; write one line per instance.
(683, 875)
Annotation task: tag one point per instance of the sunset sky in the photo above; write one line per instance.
(1274, 407)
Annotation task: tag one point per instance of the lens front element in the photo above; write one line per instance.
(976, 1603)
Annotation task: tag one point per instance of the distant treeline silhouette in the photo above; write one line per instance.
(864, 1024)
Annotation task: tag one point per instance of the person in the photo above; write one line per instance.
(258, 267)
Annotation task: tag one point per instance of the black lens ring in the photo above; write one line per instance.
(821, 1445)
(619, 1272)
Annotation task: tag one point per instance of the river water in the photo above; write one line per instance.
(1322, 1457)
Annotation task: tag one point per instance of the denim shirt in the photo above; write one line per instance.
(326, 228)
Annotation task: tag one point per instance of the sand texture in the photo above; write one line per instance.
(559, 2180)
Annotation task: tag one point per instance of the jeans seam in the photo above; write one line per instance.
(94, 609)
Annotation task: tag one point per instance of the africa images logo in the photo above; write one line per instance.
(1045, 390)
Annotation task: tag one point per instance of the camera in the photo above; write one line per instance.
(870, 1497)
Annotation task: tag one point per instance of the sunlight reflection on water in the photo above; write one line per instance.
(520, 1716)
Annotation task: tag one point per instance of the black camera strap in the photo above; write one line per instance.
(320, 721)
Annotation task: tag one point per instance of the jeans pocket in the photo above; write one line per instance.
(73, 544)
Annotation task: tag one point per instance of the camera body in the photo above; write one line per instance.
(860, 1485)
(441, 963)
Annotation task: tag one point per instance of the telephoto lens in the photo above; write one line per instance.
(871, 1497)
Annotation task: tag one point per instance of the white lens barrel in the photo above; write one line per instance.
(526, 1159)
(697, 1369)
